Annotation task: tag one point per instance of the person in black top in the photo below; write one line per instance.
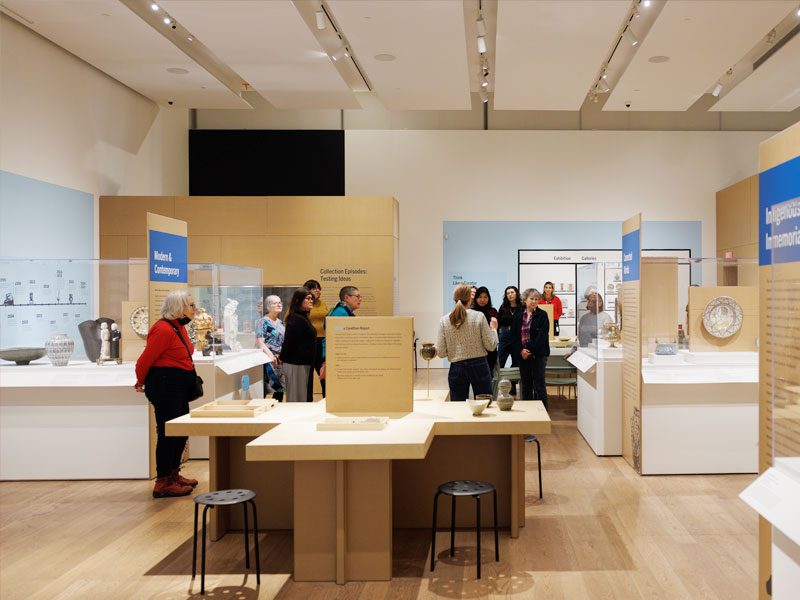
(299, 346)
(531, 343)
(505, 318)
(483, 304)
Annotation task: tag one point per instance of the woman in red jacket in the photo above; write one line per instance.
(165, 373)
(549, 297)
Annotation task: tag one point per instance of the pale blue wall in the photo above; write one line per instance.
(486, 251)
(43, 220)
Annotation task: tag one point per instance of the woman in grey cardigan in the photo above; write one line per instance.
(465, 337)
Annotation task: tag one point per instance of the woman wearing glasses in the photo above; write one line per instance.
(165, 373)
(299, 345)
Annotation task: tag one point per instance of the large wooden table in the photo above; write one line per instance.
(343, 491)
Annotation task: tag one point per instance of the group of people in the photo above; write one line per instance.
(165, 370)
(468, 336)
(296, 347)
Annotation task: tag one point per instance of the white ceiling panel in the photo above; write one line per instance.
(703, 39)
(110, 37)
(270, 46)
(427, 39)
(773, 86)
(549, 52)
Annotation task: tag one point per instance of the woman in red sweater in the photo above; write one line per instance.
(165, 373)
(549, 297)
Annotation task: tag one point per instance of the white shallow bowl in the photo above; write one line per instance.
(477, 406)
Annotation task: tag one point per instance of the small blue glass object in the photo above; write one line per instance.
(245, 382)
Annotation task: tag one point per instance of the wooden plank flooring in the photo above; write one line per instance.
(600, 532)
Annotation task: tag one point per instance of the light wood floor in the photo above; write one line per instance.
(600, 532)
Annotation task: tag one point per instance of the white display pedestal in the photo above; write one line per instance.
(701, 415)
(775, 495)
(222, 380)
(600, 397)
(81, 421)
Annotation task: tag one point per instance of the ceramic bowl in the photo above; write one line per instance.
(477, 406)
(22, 356)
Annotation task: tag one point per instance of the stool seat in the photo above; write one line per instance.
(465, 487)
(225, 497)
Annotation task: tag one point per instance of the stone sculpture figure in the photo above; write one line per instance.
(230, 325)
(116, 334)
(105, 342)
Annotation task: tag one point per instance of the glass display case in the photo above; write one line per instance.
(228, 300)
(64, 303)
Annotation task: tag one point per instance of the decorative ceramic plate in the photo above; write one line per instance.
(140, 321)
(722, 317)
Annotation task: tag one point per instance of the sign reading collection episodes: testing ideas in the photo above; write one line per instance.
(168, 257)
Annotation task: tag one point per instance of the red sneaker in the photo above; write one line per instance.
(176, 475)
(167, 487)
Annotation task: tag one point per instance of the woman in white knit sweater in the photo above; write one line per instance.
(465, 338)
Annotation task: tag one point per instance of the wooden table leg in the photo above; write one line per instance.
(517, 484)
(218, 479)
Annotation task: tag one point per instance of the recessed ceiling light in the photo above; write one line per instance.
(190, 38)
(154, 6)
(177, 71)
(658, 59)
(167, 20)
(385, 57)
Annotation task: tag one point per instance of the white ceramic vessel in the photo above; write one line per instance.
(59, 348)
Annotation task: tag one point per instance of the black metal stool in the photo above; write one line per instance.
(464, 488)
(225, 498)
(533, 438)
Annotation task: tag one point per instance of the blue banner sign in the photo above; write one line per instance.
(168, 257)
(779, 214)
(631, 256)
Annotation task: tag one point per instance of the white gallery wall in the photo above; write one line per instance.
(64, 122)
(441, 176)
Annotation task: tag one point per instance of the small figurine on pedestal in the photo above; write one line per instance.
(116, 334)
(230, 325)
(105, 344)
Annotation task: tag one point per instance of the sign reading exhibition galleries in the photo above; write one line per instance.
(168, 257)
(779, 214)
(631, 256)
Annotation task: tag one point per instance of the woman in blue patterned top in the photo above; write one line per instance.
(270, 339)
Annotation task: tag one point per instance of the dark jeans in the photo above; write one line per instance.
(317, 366)
(473, 371)
(531, 374)
(504, 349)
(168, 389)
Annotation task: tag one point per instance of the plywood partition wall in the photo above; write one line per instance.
(659, 290)
(337, 240)
(632, 344)
(777, 364)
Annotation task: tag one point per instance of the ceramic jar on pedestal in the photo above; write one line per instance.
(59, 348)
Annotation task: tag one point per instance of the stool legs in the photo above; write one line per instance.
(477, 528)
(433, 529)
(453, 526)
(203, 559)
(255, 536)
(246, 540)
(194, 543)
(496, 547)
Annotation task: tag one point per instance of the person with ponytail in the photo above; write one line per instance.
(465, 338)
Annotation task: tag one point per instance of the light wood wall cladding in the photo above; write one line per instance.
(737, 219)
(659, 301)
(777, 150)
(291, 238)
(743, 340)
